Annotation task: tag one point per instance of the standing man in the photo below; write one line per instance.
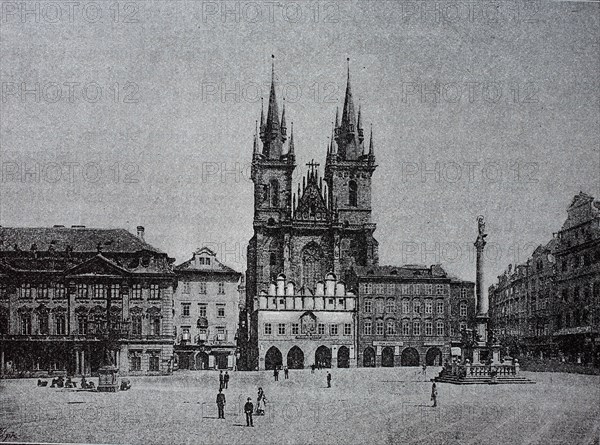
(276, 373)
(328, 379)
(221, 381)
(312, 368)
(226, 379)
(286, 372)
(248, 408)
(434, 394)
(221, 404)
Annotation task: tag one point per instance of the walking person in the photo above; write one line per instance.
(434, 394)
(226, 379)
(221, 404)
(286, 372)
(221, 381)
(248, 409)
(328, 379)
(261, 400)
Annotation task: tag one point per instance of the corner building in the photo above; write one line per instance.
(322, 227)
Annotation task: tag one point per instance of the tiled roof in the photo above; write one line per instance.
(79, 239)
(406, 271)
(215, 265)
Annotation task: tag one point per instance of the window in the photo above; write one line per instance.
(440, 306)
(390, 305)
(220, 310)
(155, 326)
(379, 305)
(295, 328)
(99, 291)
(221, 287)
(331, 301)
(60, 324)
(333, 329)
(42, 291)
(273, 193)
(452, 333)
(369, 288)
(135, 363)
(25, 290)
(405, 306)
(368, 306)
(462, 326)
(202, 309)
(390, 328)
(268, 329)
(154, 362)
(321, 329)
(439, 328)
(463, 292)
(136, 325)
(428, 328)
(59, 291)
(43, 324)
(154, 292)
(82, 325)
(405, 289)
(115, 291)
(202, 287)
(417, 306)
(439, 289)
(428, 307)
(416, 327)
(136, 291)
(379, 325)
(281, 329)
(347, 329)
(186, 287)
(429, 289)
(368, 329)
(405, 327)
(352, 194)
(273, 259)
(185, 309)
(463, 309)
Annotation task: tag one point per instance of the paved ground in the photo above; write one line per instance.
(364, 406)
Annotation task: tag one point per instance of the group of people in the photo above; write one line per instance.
(261, 400)
(223, 380)
(286, 372)
(61, 382)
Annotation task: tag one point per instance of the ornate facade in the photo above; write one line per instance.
(324, 226)
(57, 286)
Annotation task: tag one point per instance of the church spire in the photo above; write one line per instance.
(348, 114)
(291, 147)
(371, 149)
(283, 126)
(361, 136)
(347, 135)
(272, 133)
(255, 150)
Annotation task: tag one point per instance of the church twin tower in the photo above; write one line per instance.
(323, 226)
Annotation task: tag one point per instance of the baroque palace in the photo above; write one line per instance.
(301, 306)
(57, 286)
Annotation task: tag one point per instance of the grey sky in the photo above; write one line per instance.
(514, 131)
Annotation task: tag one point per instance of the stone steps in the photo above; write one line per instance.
(483, 380)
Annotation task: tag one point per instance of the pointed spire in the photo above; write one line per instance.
(262, 113)
(359, 123)
(283, 126)
(361, 136)
(348, 114)
(255, 150)
(273, 111)
(371, 149)
(291, 148)
(332, 148)
(337, 117)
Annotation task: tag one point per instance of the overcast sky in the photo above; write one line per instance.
(127, 113)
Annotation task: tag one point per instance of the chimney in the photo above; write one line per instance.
(140, 232)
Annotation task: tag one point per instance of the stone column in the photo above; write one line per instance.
(2, 361)
(77, 368)
(83, 362)
(481, 294)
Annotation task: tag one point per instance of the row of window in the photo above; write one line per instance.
(408, 289)
(186, 309)
(578, 261)
(135, 362)
(407, 327)
(83, 291)
(185, 287)
(332, 329)
(416, 306)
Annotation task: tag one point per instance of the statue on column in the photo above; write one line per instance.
(481, 228)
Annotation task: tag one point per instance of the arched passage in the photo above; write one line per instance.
(202, 360)
(433, 357)
(409, 357)
(387, 357)
(184, 360)
(295, 358)
(369, 358)
(343, 357)
(273, 358)
(323, 357)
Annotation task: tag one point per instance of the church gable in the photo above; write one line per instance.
(99, 265)
(311, 201)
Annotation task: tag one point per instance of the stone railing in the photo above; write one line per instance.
(491, 371)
